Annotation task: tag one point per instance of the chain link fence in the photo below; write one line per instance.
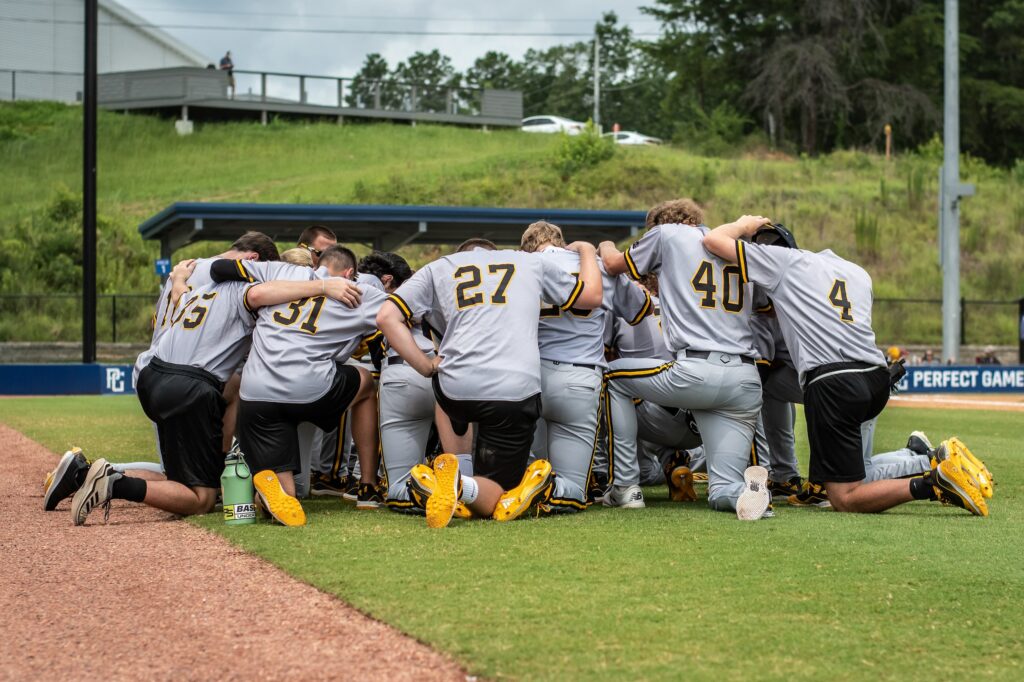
(120, 318)
(127, 318)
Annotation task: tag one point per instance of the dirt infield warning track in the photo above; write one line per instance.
(148, 596)
(997, 402)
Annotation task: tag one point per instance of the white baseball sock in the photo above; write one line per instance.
(469, 490)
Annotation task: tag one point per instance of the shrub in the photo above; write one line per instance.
(585, 150)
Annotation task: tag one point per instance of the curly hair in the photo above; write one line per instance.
(676, 211)
(539, 233)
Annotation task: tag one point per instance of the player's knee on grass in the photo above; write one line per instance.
(841, 496)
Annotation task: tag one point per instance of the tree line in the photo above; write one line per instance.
(806, 76)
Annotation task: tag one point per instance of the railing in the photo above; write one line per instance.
(357, 93)
(58, 317)
(28, 84)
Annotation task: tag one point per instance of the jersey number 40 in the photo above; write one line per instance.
(470, 278)
(703, 282)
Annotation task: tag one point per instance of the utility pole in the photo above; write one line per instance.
(89, 186)
(951, 190)
(597, 83)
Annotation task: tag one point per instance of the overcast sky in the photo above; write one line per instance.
(342, 55)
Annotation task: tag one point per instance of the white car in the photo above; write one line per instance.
(632, 137)
(552, 124)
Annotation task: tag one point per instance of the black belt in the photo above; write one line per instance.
(188, 371)
(399, 360)
(704, 355)
(818, 371)
(574, 364)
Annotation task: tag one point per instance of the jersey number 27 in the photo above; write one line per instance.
(469, 279)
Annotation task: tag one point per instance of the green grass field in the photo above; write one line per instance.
(677, 591)
(880, 214)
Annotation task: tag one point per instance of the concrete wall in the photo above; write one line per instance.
(51, 39)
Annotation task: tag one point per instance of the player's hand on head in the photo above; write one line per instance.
(581, 247)
(343, 290)
(752, 223)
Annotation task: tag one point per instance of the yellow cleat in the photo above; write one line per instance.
(421, 486)
(973, 466)
(954, 486)
(284, 508)
(445, 496)
(535, 488)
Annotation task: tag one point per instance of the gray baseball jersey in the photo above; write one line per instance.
(705, 305)
(823, 303)
(267, 271)
(643, 340)
(162, 319)
(577, 336)
(295, 346)
(369, 280)
(489, 301)
(210, 329)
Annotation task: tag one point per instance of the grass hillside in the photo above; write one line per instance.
(880, 214)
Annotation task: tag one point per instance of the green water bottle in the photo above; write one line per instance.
(236, 490)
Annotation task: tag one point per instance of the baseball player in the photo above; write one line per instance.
(824, 308)
(293, 375)
(180, 390)
(668, 436)
(705, 306)
(487, 370)
(315, 239)
(70, 472)
(572, 366)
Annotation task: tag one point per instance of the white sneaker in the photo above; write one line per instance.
(627, 497)
(754, 501)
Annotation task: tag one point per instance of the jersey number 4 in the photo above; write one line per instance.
(838, 298)
(469, 279)
(703, 282)
(295, 311)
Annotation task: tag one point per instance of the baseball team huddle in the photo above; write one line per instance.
(498, 384)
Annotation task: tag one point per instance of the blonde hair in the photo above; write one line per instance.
(298, 256)
(539, 233)
(677, 211)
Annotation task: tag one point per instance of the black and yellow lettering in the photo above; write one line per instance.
(309, 324)
(498, 297)
(838, 298)
(198, 313)
(728, 273)
(703, 281)
(296, 309)
(463, 299)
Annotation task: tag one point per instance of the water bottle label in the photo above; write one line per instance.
(233, 512)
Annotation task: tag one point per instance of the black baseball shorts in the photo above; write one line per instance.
(835, 406)
(187, 407)
(268, 431)
(503, 437)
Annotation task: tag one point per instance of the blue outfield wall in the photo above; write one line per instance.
(117, 379)
(66, 380)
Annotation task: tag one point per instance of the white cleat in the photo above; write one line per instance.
(754, 501)
(626, 497)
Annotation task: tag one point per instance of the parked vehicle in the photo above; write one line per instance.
(632, 137)
(552, 124)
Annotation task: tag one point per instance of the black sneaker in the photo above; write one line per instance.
(919, 444)
(350, 485)
(786, 488)
(325, 485)
(66, 479)
(811, 495)
(369, 497)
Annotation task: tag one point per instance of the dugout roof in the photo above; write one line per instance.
(383, 227)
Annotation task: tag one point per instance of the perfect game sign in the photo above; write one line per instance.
(966, 379)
